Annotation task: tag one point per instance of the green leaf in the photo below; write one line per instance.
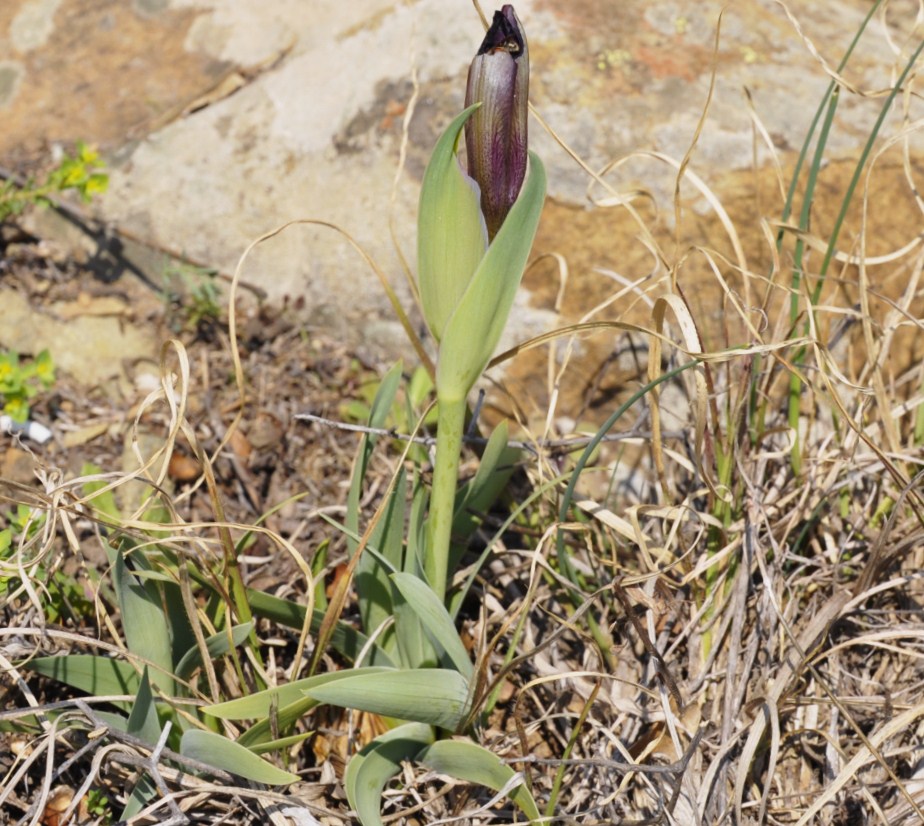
(369, 771)
(98, 676)
(346, 640)
(217, 646)
(414, 646)
(222, 753)
(494, 470)
(147, 629)
(143, 722)
(451, 233)
(416, 528)
(381, 406)
(17, 409)
(480, 493)
(259, 705)
(468, 761)
(115, 721)
(435, 620)
(259, 735)
(373, 588)
(143, 793)
(436, 696)
(277, 745)
(478, 321)
(419, 388)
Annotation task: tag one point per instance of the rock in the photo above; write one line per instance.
(17, 466)
(92, 348)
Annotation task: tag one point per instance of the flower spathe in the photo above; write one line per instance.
(496, 134)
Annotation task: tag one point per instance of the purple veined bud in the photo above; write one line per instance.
(495, 135)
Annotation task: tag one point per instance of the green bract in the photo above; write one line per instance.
(451, 233)
(466, 287)
(480, 316)
(466, 292)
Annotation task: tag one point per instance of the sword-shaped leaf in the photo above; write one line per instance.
(465, 760)
(451, 232)
(435, 696)
(258, 705)
(222, 753)
(476, 325)
(435, 619)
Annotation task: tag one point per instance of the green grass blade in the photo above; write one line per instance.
(795, 383)
(861, 165)
(806, 212)
(803, 153)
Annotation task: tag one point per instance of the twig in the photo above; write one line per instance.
(137, 743)
(661, 666)
(553, 447)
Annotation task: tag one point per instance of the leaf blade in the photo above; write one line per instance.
(222, 753)
(261, 703)
(451, 233)
(369, 771)
(468, 761)
(435, 620)
(435, 696)
(476, 325)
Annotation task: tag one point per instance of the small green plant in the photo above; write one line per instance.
(22, 380)
(472, 252)
(195, 292)
(97, 805)
(64, 598)
(81, 173)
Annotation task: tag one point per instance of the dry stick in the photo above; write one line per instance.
(188, 763)
(660, 665)
(555, 447)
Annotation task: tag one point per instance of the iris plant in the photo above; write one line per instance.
(475, 231)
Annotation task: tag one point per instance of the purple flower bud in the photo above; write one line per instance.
(495, 135)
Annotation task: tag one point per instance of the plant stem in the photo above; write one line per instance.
(450, 422)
